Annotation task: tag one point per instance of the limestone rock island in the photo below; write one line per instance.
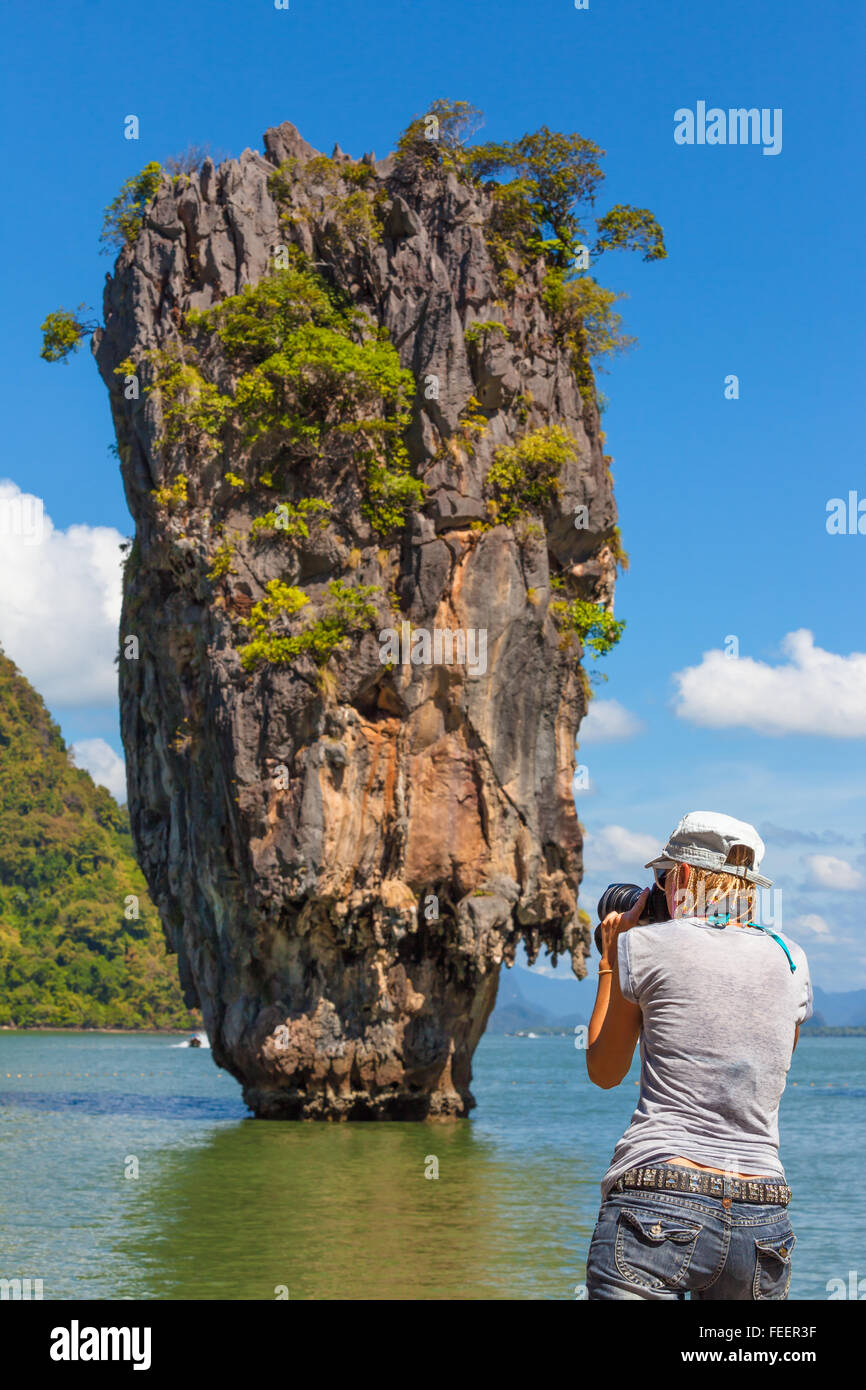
(346, 405)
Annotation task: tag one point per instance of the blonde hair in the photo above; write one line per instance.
(709, 888)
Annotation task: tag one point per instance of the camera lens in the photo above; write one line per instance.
(618, 897)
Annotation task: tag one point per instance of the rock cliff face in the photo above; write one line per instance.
(344, 854)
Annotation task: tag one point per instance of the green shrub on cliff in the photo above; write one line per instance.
(347, 609)
(354, 216)
(585, 316)
(310, 368)
(280, 601)
(391, 492)
(589, 622)
(319, 379)
(280, 181)
(172, 496)
(620, 554)
(256, 322)
(63, 332)
(221, 562)
(478, 332)
(586, 322)
(193, 409)
(441, 135)
(511, 231)
(293, 519)
(523, 476)
(124, 216)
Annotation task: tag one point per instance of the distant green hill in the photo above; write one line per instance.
(70, 956)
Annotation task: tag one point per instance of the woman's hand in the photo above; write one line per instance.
(616, 922)
(616, 1022)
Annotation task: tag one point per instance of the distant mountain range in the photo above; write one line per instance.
(847, 1010)
(529, 1001)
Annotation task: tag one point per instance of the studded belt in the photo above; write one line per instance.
(674, 1177)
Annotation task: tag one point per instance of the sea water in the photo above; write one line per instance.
(129, 1169)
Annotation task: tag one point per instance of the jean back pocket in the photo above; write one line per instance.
(654, 1249)
(773, 1265)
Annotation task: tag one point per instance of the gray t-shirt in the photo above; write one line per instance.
(719, 1008)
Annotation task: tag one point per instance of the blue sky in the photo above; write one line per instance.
(722, 502)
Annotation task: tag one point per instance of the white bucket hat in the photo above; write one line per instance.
(705, 839)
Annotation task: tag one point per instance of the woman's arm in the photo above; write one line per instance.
(615, 1024)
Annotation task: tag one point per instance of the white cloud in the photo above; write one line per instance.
(814, 692)
(829, 872)
(61, 602)
(607, 721)
(618, 847)
(811, 921)
(99, 759)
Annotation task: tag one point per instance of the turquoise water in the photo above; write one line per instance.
(225, 1207)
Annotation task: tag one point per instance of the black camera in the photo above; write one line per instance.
(621, 897)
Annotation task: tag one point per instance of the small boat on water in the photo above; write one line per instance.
(199, 1039)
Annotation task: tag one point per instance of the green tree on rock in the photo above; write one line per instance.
(124, 215)
(544, 188)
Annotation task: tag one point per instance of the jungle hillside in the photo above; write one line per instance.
(81, 944)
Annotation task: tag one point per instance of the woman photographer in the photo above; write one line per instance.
(695, 1196)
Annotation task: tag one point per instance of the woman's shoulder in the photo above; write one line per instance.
(793, 946)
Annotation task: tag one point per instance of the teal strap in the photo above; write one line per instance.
(717, 920)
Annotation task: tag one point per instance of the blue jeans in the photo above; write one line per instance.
(661, 1245)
